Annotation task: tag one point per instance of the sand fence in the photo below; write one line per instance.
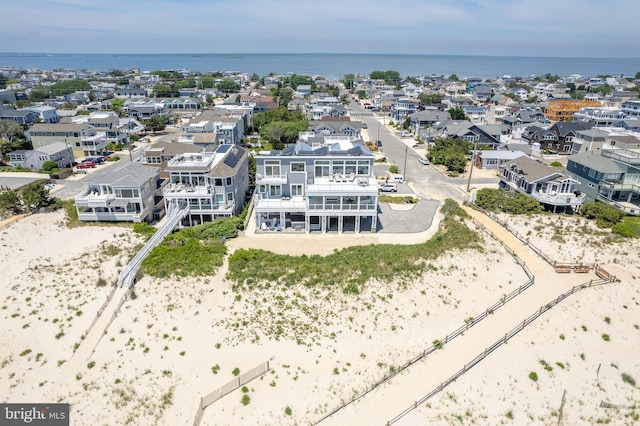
(229, 387)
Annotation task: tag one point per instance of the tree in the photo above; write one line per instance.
(164, 91)
(35, 196)
(450, 152)
(285, 95)
(9, 202)
(227, 85)
(391, 78)
(206, 82)
(11, 136)
(155, 124)
(348, 81)
(49, 165)
(116, 105)
(453, 77)
(430, 99)
(457, 113)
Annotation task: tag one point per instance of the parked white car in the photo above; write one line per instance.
(424, 161)
(388, 187)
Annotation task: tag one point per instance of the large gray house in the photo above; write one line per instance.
(327, 187)
(213, 184)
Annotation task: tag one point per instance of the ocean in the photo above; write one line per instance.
(332, 65)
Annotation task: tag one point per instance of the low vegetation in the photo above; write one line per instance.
(28, 198)
(606, 216)
(351, 267)
(196, 251)
(402, 199)
(497, 200)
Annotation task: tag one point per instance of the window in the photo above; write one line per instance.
(298, 167)
(350, 167)
(217, 182)
(592, 173)
(262, 189)
(219, 198)
(275, 190)
(363, 168)
(229, 196)
(296, 190)
(322, 168)
(228, 181)
(126, 193)
(338, 167)
(272, 168)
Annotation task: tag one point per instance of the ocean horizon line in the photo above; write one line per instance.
(458, 55)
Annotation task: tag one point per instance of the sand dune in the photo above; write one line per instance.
(179, 339)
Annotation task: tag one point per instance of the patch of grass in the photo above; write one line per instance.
(400, 199)
(356, 266)
(628, 227)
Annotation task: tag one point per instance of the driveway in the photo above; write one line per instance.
(406, 219)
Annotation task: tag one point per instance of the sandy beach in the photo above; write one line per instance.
(175, 340)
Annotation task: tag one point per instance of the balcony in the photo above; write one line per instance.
(626, 156)
(563, 199)
(619, 186)
(93, 198)
(179, 190)
(271, 179)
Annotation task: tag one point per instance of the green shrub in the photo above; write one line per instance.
(533, 376)
(628, 379)
(394, 169)
(236, 372)
(629, 227)
(288, 411)
(498, 200)
(556, 164)
(245, 399)
(606, 337)
(144, 229)
(605, 215)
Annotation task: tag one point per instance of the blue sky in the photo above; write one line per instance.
(572, 28)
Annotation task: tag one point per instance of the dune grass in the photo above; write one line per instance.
(349, 268)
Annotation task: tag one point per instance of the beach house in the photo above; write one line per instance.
(326, 184)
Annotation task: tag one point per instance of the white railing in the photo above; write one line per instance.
(128, 275)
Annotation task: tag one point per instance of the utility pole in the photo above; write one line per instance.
(473, 160)
(404, 168)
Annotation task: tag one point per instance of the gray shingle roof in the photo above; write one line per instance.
(130, 175)
(596, 162)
